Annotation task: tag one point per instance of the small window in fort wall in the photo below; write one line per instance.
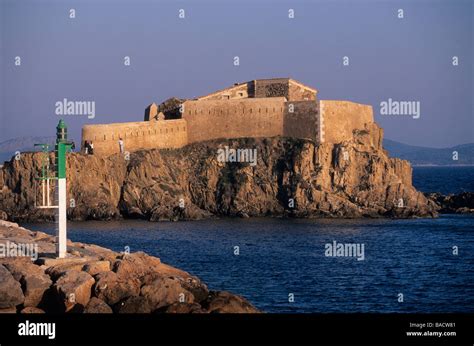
(105, 137)
(166, 130)
(161, 130)
(155, 131)
(171, 129)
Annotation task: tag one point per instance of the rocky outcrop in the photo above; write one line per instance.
(10, 290)
(462, 203)
(92, 279)
(292, 177)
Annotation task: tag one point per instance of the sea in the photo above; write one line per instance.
(284, 265)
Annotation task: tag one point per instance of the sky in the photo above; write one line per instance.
(82, 58)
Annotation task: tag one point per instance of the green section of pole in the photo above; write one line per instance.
(61, 160)
(62, 146)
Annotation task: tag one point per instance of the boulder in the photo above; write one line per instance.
(166, 291)
(183, 308)
(112, 289)
(8, 224)
(32, 310)
(134, 305)
(60, 268)
(11, 294)
(97, 306)
(196, 287)
(11, 310)
(225, 302)
(73, 289)
(35, 288)
(21, 266)
(137, 265)
(53, 261)
(96, 267)
(3, 215)
(34, 282)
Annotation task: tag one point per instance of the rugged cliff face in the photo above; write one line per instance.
(292, 177)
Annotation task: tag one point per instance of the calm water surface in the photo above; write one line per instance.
(278, 257)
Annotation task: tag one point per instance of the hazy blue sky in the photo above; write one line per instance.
(79, 59)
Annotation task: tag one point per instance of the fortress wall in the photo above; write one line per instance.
(299, 93)
(136, 135)
(340, 118)
(212, 119)
(304, 121)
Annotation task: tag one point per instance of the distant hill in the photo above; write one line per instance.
(431, 156)
(22, 144)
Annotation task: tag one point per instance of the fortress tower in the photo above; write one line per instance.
(257, 108)
(151, 112)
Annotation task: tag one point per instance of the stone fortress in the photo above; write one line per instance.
(258, 108)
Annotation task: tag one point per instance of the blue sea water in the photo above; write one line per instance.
(444, 179)
(279, 257)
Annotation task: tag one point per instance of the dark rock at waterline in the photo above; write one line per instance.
(462, 203)
(225, 302)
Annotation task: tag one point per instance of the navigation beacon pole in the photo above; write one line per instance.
(62, 146)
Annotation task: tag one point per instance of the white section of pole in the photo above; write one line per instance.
(44, 195)
(61, 247)
(47, 194)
